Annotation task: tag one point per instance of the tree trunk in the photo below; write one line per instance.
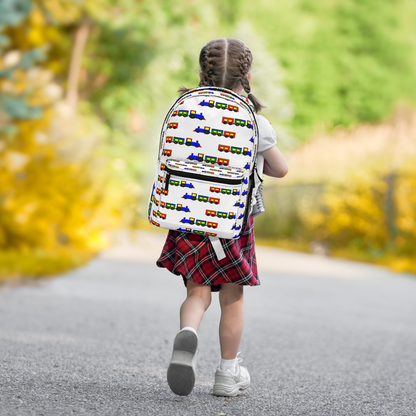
(80, 39)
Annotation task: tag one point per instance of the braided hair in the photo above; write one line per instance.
(226, 63)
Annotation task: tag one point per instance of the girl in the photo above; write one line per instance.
(224, 63)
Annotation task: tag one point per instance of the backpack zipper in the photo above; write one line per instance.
(189, 175)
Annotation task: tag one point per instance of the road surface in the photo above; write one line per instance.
(322, 337)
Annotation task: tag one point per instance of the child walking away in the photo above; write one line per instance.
(224, 63)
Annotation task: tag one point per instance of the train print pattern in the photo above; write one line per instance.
(207, 150)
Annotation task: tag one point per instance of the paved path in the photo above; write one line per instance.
(322, 337)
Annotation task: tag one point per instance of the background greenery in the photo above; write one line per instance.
(78, 136)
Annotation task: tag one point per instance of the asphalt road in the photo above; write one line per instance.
(322, 337)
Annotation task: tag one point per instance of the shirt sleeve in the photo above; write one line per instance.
(267, 135)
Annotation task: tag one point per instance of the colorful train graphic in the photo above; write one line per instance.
(162, 191)
(237, 122)
(200, 157)
(215, 132)
(159, 214)
(182, 184)
(186, 113)
(177, 207)
(181, 140)
(189, 230)
(172, 125)
(222, 106)
(200, 223)
(219, 214)
(235, 150)
(202, 198)
(239, 204)
(224, 191)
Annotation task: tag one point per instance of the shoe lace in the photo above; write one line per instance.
(239, 359)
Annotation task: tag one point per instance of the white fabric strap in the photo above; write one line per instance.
(217, 246)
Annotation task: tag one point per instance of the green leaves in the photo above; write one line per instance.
(17, 107)
(12, 12)
(345, 62)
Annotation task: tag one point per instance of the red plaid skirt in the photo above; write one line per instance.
(192, 257)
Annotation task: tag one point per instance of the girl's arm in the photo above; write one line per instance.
(274, 163)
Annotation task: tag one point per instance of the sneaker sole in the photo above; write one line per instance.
(181, 370)
(230, 391)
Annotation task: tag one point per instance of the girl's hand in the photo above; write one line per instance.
(274, 163)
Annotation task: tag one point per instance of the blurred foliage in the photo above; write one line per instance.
(67, 175)
(59, 189)
(345, 61)
(268, 85)
(363, 210)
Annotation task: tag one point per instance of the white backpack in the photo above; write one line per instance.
(206, 165)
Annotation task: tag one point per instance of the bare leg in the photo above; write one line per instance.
(197, 302)
(232, 319)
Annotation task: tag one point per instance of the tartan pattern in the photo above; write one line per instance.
(192, 257)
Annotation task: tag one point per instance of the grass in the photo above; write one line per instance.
(361, 177)
(18, 265)
(391, 261)
(361, 150)
(26, 264)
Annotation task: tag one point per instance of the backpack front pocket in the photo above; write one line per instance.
(201, 198)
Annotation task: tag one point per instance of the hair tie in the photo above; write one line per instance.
(248, 93)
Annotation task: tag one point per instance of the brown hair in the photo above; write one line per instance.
(226, 63)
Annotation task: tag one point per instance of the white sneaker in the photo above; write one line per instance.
(228, 384)
(181, 370)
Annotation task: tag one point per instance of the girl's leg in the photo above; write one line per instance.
(196, 303)
(232, 319)
(181, 370)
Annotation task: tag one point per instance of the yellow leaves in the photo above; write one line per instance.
(35, 31)
(406, 224)
(399, 241)
(55, 190)
(36, 84)
(402, 264)
(39, 262)
(15, 161)
(64, 11)
(36, 18)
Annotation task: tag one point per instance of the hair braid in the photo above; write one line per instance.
(226, 63)
(245, 66)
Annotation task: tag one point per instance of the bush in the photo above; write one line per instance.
(352, 193)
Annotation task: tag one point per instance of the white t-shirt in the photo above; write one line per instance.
(267, 139)
(267, 135)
